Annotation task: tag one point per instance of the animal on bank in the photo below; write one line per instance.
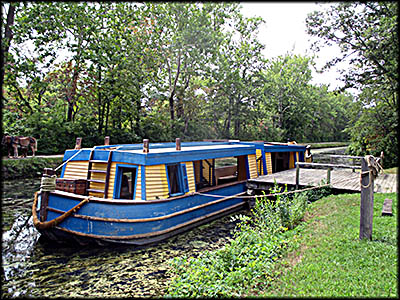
(25, 142)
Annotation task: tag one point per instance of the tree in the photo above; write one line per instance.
(367, 36)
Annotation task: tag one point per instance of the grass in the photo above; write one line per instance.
(391, 170)
(327, 259)
(27, 167)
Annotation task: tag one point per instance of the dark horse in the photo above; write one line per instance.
(25, 142)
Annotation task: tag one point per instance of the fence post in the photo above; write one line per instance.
(367, 201)
(328, 175)
(297, 175)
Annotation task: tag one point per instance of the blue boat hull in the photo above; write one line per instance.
(137, 222)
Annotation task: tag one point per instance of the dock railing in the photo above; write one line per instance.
(329, 168)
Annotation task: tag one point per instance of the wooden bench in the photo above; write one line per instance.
(229, 172)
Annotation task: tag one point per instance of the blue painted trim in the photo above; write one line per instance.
(169, 185)
(118, 178)
(301, 156)
(264, 162)
(180, 179)
(247, 167)
(63, 171)
(185, 181)
(280, 149)
(143, 181)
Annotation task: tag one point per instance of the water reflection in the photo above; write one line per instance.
(37, 269)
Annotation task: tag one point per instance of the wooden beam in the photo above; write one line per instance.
(325, 166)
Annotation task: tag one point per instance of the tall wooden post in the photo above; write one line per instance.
(297, 176)
(178, 144)
(367, 201)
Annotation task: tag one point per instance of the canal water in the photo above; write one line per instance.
(31, 268)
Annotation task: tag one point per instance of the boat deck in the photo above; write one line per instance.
(346, 180)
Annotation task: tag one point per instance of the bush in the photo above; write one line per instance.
(248, 260)
(28, 167)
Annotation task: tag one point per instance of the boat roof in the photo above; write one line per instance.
(164, 153)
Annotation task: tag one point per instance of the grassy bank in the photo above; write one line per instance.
(320, 257)
(27, 167)
(327, 259)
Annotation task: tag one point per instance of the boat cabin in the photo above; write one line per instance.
(153, 171)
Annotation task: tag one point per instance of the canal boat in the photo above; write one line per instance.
(143, 193)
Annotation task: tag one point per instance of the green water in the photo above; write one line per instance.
(34, 269)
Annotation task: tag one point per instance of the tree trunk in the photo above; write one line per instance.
(8, 35)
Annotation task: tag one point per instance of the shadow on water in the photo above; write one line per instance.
(33, 268)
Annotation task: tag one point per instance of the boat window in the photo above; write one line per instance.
(218, 171)
(177, 179)
(127, 181)
(226, 170)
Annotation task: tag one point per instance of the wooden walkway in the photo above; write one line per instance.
(341, 179)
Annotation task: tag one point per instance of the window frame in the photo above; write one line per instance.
(183, 180)
(118, 180)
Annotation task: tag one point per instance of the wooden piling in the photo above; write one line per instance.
(78, 143)
(178, 144)
(48, 172)
(146, 146)
(367, 201)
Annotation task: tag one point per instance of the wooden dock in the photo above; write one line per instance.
(345, 180)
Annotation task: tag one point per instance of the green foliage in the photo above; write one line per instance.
(328, 259)
(248, 260)
(367, 36)
(294, 109)
(28, 167)
(188, 70)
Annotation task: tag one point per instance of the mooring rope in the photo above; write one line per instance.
(48, 183)
(374, 169)
(44, 225)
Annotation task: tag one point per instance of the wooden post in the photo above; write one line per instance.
(107, 141)
(145, 146)
(367, 201)
(48, 172)
(78, 143)
(297, 175)
(387, 207)
(178, 143)
(328, 175)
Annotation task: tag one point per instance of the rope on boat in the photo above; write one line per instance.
(48, 224)
(48, 183)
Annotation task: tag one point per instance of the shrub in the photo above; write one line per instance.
(248, 259)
